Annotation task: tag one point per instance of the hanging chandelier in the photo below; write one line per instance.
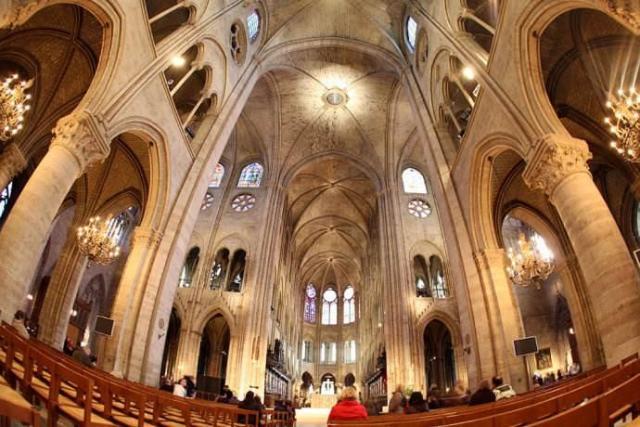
(14, 103)
(532, 263)
(624, 124)
(98, 240)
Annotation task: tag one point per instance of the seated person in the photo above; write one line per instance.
(483, 395)
(19, 325)
(249, 403)
(417, 404)
(180, 388)
(397, 401)
(348, 407)
(83, 355)
(501, 390)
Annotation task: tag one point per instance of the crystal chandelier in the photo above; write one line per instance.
(14, 103)
(532, 263)
(98, 240)
(624, 124)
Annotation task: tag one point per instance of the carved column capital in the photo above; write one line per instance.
(627, 10)
(84, 136)
(147, 237)
(554, 158)
(12, 161)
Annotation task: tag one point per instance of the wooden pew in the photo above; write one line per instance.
(15, 407)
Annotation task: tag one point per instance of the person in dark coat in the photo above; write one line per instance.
(417, 404)
(484, 394)
(250, 404)
(348, 407)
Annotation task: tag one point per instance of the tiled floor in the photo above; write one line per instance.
(312, 417)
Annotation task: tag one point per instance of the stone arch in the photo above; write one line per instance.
(160, 166)
(456, 340)
(588, 340)
(111, 17)
(200, 321)
(532, 24)
(480, 195)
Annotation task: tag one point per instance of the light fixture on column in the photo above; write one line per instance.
(531, 263)
(98, 240)
(624, 124)
(14, 104)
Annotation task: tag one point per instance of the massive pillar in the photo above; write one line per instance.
(129, 299)
(79, 140)
(61, 293)
(557, 165)
(12, 162)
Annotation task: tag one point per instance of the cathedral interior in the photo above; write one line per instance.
(292, 197)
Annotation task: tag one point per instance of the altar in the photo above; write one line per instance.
(323, 400)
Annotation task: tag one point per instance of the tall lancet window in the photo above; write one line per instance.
(189, 268)
(413, 181)
(330, 307)
(310, 304)
(349, 305)
(5, 195)
(251, 176)
(218, 175)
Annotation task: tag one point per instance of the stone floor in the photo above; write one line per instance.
(312, 417)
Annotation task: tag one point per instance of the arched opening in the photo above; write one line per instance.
(544, 308)
(213, 355)
(219, 269)
(438, 280)
(479, 19)
(421, 277)
(166, 16)
(439, 357)
(170, 352)
(236, 271)
(189, 268)
(328, 384)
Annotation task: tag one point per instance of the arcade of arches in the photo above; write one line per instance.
(309, 194)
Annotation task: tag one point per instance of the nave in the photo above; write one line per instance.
(220, 206)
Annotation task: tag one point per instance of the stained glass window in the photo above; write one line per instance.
(349, 305)
(330, 307)
(218, 174)
(419, 208)
(413, 181)
(253, 25)
(207, 202)
(328, 352)
(5, 195)
(310, 304)
(251, 176)
(350, 351)
(412, 33)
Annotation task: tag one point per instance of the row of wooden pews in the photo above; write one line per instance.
(90, 397)
(597, 399)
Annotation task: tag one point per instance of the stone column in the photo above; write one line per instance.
(79, 140)
(129, 298)
(12, 162)
(557, 165)
(61, 294)
(506, 324)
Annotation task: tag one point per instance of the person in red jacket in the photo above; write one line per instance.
(348, 407)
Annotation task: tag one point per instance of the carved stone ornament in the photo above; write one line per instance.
(12, 161)
(147, 237)
(554, 158)
(83, 136)
(14, 13)
(627, 10)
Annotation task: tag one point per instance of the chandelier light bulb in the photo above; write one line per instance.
(14, 101)
(469, 73)
(625, 124)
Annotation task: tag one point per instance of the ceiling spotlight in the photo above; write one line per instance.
(178, 61)
(468, 73)
(335, 97)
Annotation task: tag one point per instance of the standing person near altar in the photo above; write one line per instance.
(348, 408)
